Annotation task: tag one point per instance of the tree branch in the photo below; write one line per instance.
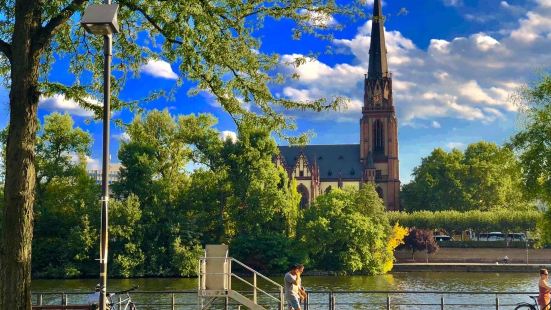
(151, 20)
(45, 33)
(5, 48)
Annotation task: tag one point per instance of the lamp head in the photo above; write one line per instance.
(100, 19)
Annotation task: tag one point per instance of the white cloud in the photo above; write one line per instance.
(319, 19)
(228, 134)
(58, 103)
(160, 69)
(435, 124)
(456, 145)
(470, 78)
(91, 163)
(122, 137)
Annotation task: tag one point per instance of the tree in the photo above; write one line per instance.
(347, 231)
(483, 177)
(66, 196)
(396, 239)
(436, 180)
(493, 178)
(153, 172)
(533, 142)
(212, 42)
(533, 145)
(420, 240)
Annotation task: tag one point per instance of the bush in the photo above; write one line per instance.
(455, 221)
(347, 231)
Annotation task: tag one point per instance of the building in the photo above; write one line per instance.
(114, 174)
(319, 168)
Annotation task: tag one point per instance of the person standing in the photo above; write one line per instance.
(301, 290)
(544, 297)
(291, 288)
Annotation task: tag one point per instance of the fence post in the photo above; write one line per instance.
(442, 303)
(281, 299)
(307, 301)
(332, 301)
(40, 299)
(173, 302)
(254, 287)
(497, 303)
(387, 302)
(63, 299)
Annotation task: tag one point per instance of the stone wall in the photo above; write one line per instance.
(480, 255)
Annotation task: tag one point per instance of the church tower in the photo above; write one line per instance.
(378, 126)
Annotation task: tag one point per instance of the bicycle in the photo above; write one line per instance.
(124, 303)
(529, 306)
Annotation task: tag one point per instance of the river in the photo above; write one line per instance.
(415, 281)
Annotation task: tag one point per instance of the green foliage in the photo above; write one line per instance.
(483, 177)
(533, 142)
(268, 252)
(347, 231)
(66, 201)
(213, 43)
(455, 221)
(185, 257)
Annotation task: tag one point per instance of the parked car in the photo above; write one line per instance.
(491, 236)
(442, 238)
(516, 237)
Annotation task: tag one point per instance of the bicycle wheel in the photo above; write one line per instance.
(525, 306)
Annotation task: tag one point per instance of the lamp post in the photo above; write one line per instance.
(101, 19)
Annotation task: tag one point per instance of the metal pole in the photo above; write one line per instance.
(442, 303)
(387, 302)
(526, 242)
(254, 288)
(497, 303)
(107, 49)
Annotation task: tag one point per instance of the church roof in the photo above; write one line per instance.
(334, 161)
(378, 67)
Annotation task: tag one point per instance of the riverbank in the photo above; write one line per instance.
(477, 256)
(469, 267)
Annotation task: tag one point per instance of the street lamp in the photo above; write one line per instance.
(101, 19)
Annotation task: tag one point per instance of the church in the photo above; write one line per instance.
(319, 168)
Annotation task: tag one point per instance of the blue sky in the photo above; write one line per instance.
(455, 65)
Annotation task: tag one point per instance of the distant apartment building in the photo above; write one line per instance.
(114, 174)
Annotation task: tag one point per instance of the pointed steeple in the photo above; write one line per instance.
(378, 67)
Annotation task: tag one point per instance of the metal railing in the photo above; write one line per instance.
(318, 300)
(229, 275)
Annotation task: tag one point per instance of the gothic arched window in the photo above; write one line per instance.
(305, 196)
(378, 137)
(380, 192)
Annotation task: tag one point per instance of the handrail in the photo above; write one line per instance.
(228, 274)
(254, 271)
(259, 289)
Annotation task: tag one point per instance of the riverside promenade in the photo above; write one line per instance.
(468, 267)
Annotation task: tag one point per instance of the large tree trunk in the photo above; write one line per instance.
(17, 230)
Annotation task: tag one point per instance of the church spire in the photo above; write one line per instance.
(378, 67)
